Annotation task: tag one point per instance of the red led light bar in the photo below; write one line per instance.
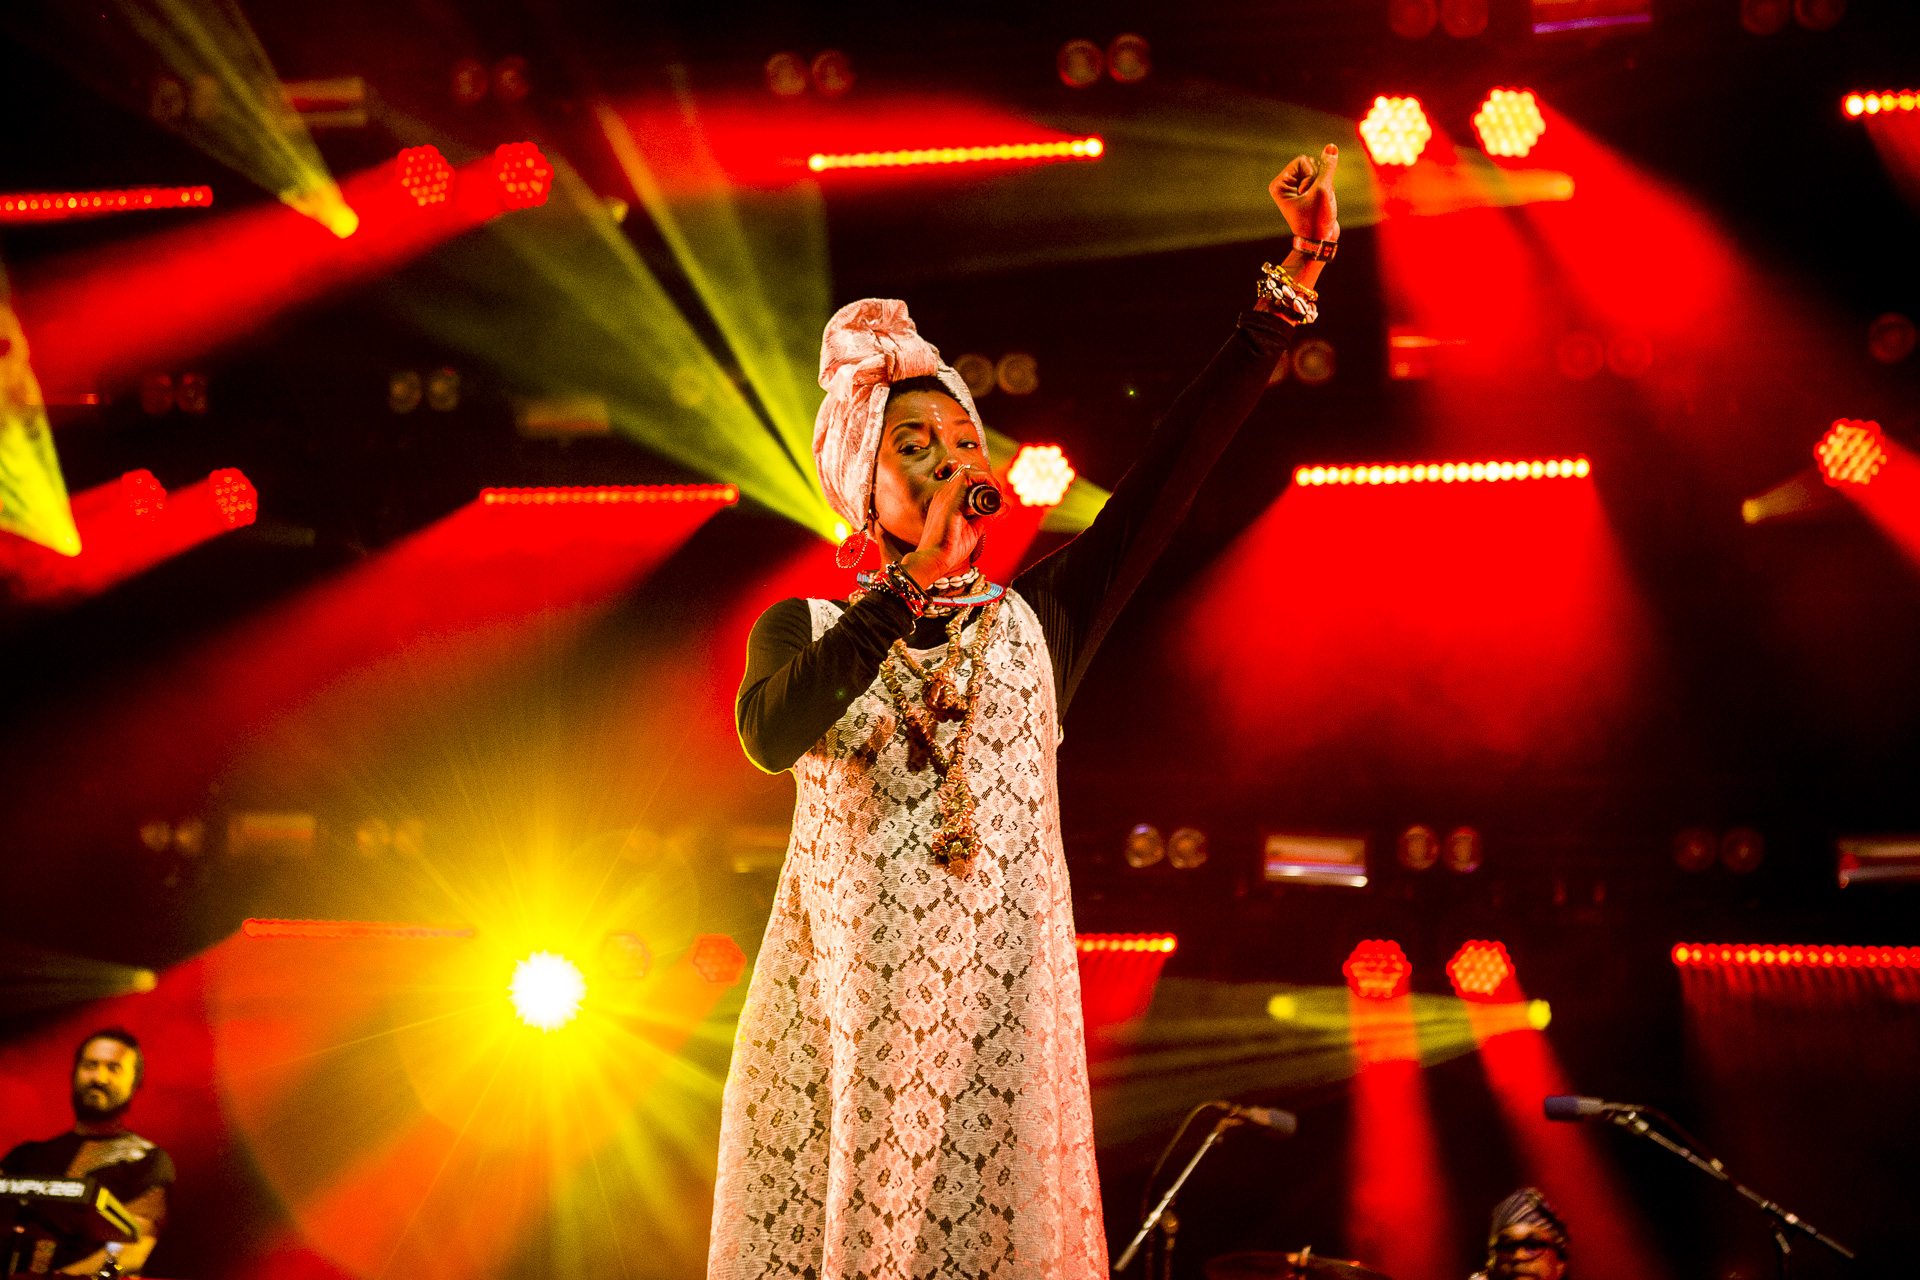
(1873, 104)
(1378, 969)
(1089, 148)
(1159, 943)
(608, 495)
(1444, 472)
(347, 929)
(1483, 971)
(59, 206)
(1713, 955)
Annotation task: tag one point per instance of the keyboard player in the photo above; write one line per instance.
(107, 1068)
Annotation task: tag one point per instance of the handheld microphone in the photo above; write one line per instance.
(1282, 1124)
(1573, 1106)
(982, 499)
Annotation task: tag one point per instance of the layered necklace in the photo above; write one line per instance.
(955, 844)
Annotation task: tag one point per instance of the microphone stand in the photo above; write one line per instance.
(1778, 1217)
(1166, 1201)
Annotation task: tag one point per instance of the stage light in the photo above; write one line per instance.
(1882, 859)
(1483, 971)
(260, 928)
(611, 495)
(1765, 17)
(443, 390)
(1742, 850)
(1328, 860)
(1509, 122)
(63, 206)
(1040, 475)
(424, 174)
(1695, 849)
(976, 371)
(1150, 943)
(469, 81)
(547, 990)
(1880, 102)
(1187, 848)
(1580, 355)
(1819, 15)
(1079, 63)
(1462, 852)
(1629, 354)
(1378, 970)
(625, 955)
(832, 73)
(1129, 58)
(1418, 848)
(1463, 19)
(156, 835)
(718, 959)
(1412, 19)
(156, 393)
(191, 393)
(336, 103)
(1890, 338)
(1395, 130)
(786, 75)
(1090, 148)
(1017, 374)
(234, 498)
(1590, 16)
(372, 837)
(524, 174)
(1577, 468)
(1313, 361)
(510, 80)
(1791, 955)
(1851, 452)
(1144, 846)
(404, 391)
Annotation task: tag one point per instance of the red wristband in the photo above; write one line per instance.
(1321, 250)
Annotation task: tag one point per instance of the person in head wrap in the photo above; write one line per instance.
(1527, 1240)
(908, 1090)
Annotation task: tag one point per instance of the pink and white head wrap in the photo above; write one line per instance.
(868, 344)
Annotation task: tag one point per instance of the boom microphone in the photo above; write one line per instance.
(1573, 1106)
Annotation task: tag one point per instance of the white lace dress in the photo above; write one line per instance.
(908, 1092)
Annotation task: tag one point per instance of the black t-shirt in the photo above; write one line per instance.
(129, 1168)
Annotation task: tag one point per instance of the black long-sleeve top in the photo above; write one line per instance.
(796, 687)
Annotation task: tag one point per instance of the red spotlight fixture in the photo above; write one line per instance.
(1444, 472)
(1129, 58)
(1509, 122)
(786, 75)
(718, 959)
(1080, 63)
(1040, 475)
(1313, 361)
(468, 81)
(1412, 19)
(1483, 971)
(1891, 338)
(1378, 969)
(832, 73)
(1395, 130)
(346, 929)
(1791, 955)
(1090, 148)
(62, 206)
(1158, 943)
(1852, 452)
(1883, 102)
(611, 495)
(1463, 19)
(524, 173)
(510, 80)
(424, 174)
(141, 496)
(235, 501)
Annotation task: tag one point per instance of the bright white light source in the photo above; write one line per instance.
(546, 990)
(1041, 475)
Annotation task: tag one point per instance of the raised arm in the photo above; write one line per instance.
(1079, 590)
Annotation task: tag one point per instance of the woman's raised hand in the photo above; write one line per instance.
(948, 536)
(1304, 192)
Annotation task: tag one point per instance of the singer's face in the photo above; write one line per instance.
(924, 439)
(1528, 1253)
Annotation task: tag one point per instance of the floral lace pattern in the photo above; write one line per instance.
(908, 1093)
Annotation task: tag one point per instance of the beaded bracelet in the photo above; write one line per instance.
(1292, 301)
(1321, 250)
(901, 583)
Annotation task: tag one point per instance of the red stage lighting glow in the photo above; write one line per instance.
(1040, 475)
(1163, 943)
(1710, 955)
(1483, 971)
(524, 173)
(347, 929)
(1852, 452)
(718, 959)
(1444, 472)
(1091, 148)
(424, 174)
(234, 497)
(1395, 130)
(1378, 970)
(60, 206)
(142, 496)
(609, 495)
(1873, 104)
(1509, 122)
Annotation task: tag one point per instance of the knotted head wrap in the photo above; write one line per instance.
(868, 345)
(1525, 1207)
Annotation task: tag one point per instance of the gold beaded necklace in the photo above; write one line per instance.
(956, 843)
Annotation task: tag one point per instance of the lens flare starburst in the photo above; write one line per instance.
(547, 990)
